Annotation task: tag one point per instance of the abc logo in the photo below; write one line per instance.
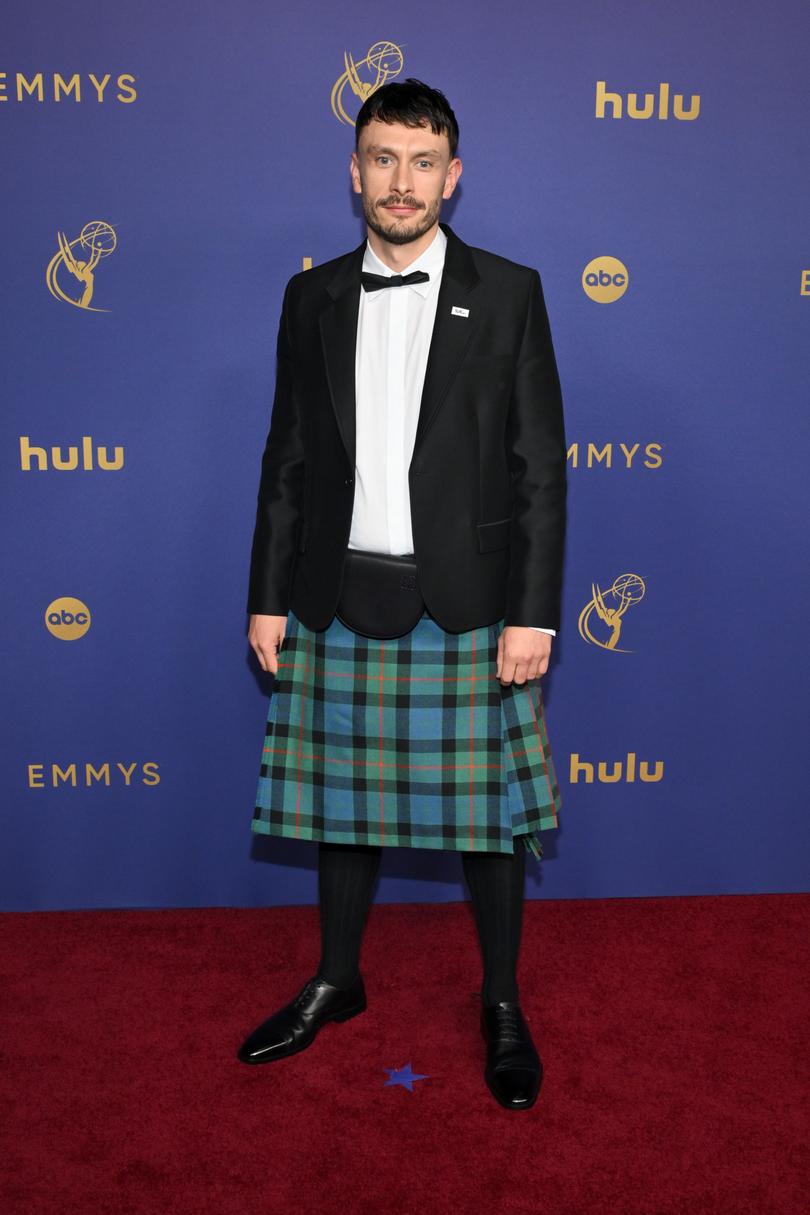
(605, 279)
(67, 618)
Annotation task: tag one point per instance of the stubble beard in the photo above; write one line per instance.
(397, 233)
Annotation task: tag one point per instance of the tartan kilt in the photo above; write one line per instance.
(410, 742)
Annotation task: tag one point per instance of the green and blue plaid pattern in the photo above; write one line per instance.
(409, 742)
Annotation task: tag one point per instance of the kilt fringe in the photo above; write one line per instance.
(533, 845)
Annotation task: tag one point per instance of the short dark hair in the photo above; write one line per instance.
(412, 103)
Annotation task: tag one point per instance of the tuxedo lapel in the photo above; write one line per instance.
(451, 338)
(338, 325)
(452, 332)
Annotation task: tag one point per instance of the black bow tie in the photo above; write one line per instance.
(373, 282)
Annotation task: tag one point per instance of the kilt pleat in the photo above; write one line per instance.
(408, 742)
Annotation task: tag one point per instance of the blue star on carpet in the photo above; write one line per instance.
(404, 1076)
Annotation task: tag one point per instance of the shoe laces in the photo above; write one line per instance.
(307, 992)
(508, 1021)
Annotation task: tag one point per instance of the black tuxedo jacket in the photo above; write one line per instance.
(487, 477)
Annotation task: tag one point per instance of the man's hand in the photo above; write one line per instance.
(265, 635)
(522, 654)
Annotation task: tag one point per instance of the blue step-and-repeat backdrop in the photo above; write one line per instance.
(167, 167)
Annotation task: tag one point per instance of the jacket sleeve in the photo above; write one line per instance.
(281, 488)
(536, 452)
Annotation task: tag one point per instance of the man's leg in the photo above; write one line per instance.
(496, 881)
(346, 876)
(513, 1068)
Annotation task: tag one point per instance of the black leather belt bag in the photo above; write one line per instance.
(380, 595)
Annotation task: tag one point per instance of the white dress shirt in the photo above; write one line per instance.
(394, 328)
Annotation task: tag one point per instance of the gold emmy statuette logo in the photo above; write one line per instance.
(610, 606)
(98, 240)
(383, 62)
(68, 619)
(605, 279)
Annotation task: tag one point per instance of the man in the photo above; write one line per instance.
(417, 413)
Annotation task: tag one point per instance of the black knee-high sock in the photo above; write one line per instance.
(496, 881)
(346, 874)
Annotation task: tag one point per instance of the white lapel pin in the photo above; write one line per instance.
(459, 312)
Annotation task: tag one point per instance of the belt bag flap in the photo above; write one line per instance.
(380, 596)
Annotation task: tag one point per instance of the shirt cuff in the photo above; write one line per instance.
(537, 629)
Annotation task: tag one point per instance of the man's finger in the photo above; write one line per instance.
(508, 670)
(520, 674)
(276, 652)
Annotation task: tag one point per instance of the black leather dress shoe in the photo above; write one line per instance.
(294, 1026)
(513, 1071)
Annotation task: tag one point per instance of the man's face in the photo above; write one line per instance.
(403, 174)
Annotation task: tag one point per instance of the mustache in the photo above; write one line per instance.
(401, 202)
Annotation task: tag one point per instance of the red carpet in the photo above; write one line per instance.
(673, 1033)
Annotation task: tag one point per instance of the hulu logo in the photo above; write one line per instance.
(627, 770)
(69, 460)
(647, 108)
